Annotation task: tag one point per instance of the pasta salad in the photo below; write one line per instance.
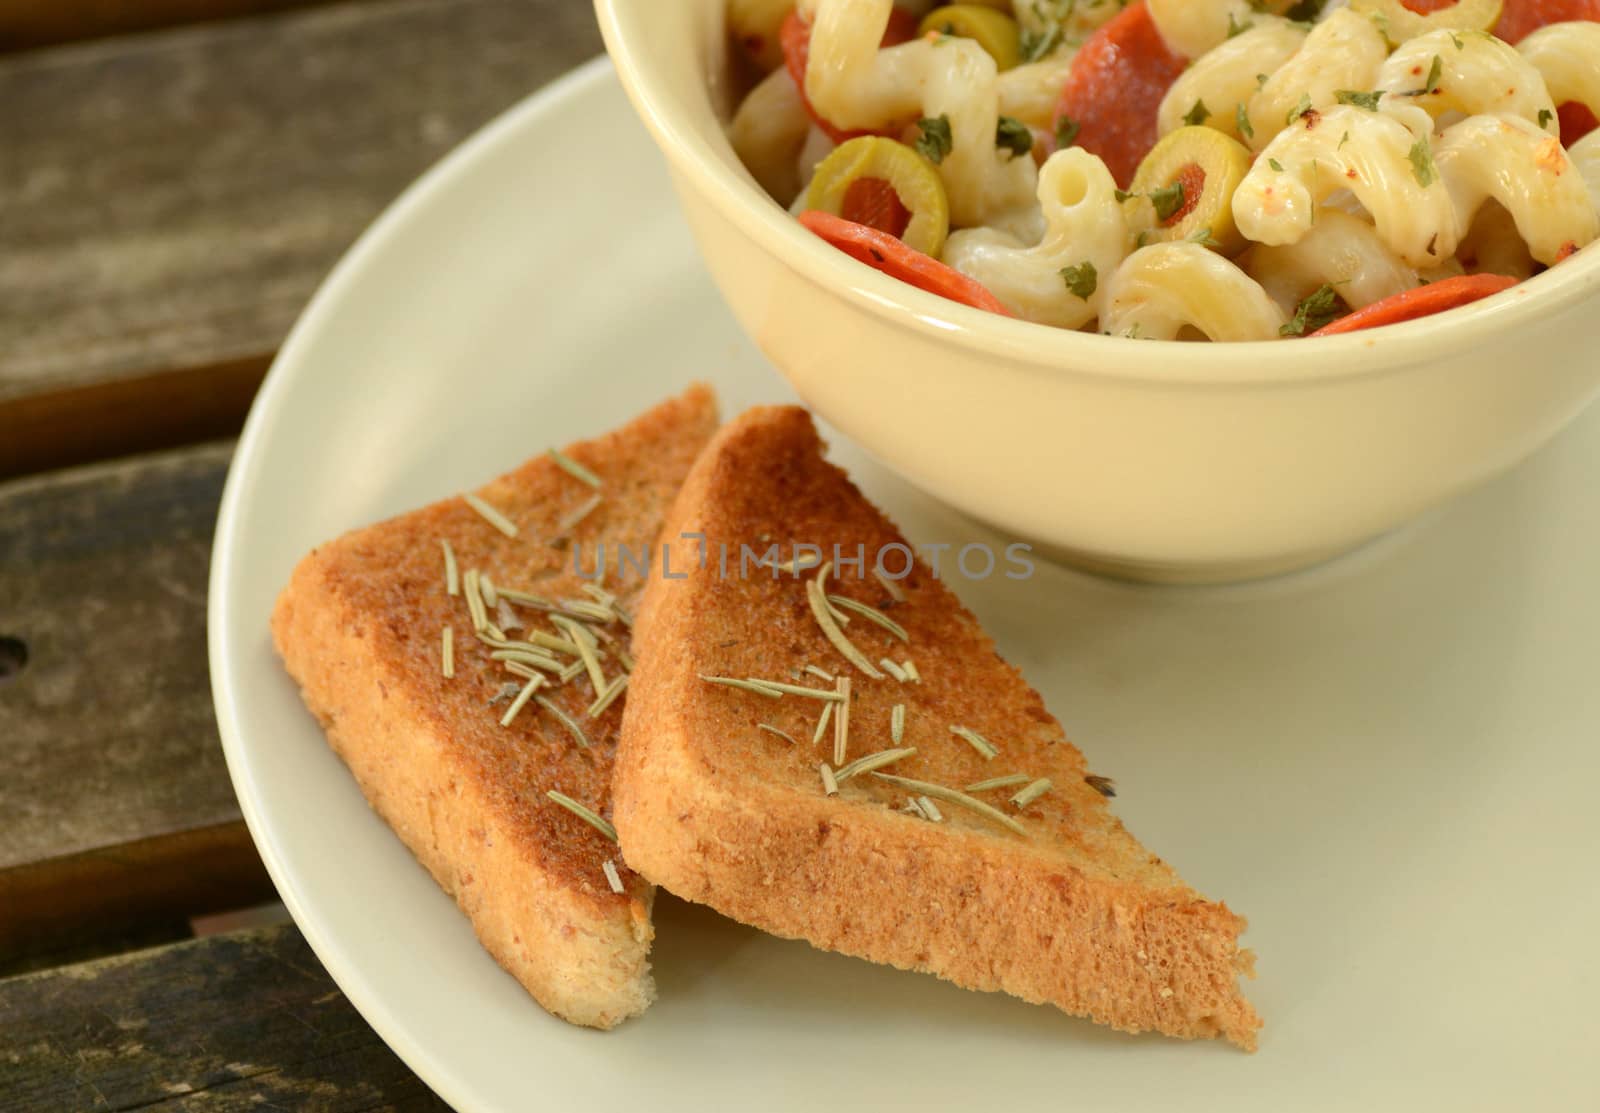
(1231, 170)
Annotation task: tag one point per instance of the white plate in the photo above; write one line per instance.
(1390, 764)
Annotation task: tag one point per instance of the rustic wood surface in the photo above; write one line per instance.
(168, 202)
(115, 804)
(33, 23)
(242, 1021)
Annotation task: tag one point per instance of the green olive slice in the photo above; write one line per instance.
(854, 174)
(1399, 23)
(993, 30)
(1183, 190)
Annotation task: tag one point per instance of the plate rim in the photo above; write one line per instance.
(457, 164)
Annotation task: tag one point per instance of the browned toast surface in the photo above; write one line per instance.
(360, 627)
(1073, 912)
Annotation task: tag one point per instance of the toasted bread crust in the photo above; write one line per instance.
(359, 628)
(1078, 914)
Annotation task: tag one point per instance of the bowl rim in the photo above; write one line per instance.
(735, 194)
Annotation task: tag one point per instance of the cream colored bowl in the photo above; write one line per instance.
(1153, 460)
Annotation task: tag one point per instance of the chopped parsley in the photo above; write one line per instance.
(934, 141)
(1236, 28)
(1275, 164)
(1299, 110)
(1369, 101)
(1422, 163)
(1168, 201)
(1322, 307)
(1545, 116)
(1203, 237)
(1242, 119)
(1014, 136)
(1261, 80)
(1197, 115)
(1431, 85)
(1066, 132)
(1082, 280)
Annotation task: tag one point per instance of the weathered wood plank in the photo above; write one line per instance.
(115, 805)
(242, 1021)
(33, 23)
(169, 201)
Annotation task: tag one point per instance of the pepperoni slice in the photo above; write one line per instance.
(1424, 301)
(1115, 87)
(1521, 18)
(1576, 122)
(873, 202)
(884, 252)
(795, 37)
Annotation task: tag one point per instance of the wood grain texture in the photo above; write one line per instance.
(242, 1021)
(168, 202)
(115, 805)
(34, 23)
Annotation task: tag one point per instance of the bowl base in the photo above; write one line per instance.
(1222, 572)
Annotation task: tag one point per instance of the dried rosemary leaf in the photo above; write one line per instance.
(756, 687)
(872, 762)
(830, 787)
(827, 695)
(606, 698)
(830, 629)
(566, 720)
(573, 468)
(841, 722)
(872, 614)
(491, 515)
(977, 741)
(897, 723)
(960, 799)
(930, 809)
(526, 599)
(613, 878)
(452, 574)
(532, 686)
(586, 649)
(517, 668)
(893, 670)
(579, 513)
(1000, 782)
(820, 674)
(783, 734)
(822, 723)
(469, 583)
(550, 641)
(588, 815)
(1034, 790)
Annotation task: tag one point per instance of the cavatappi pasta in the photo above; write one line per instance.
(1283, 162)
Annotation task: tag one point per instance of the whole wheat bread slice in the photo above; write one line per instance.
(708, 804)
(360, 628)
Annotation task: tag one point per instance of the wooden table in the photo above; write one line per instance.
(169, 199)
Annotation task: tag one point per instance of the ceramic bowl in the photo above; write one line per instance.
(1162, 461)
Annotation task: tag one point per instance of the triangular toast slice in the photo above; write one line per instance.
(719, 795)
(361, 628)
